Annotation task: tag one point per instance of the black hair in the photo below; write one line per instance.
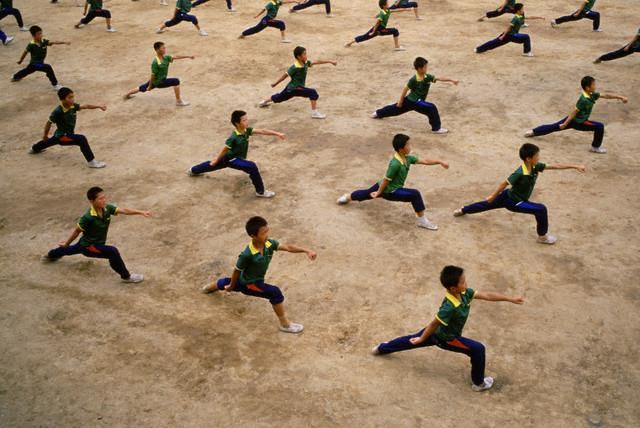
(587, 81)
(299, 50)
(93, 193)
(382, 3)
(419, 62)
(518, 6)
(34, 29)
(157, 45)
(254, 224)
(450, 276)
(64, 92)
(528, 150)
(399, 141)
(236, 116)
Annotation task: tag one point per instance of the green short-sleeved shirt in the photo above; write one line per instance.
(516, 22)
(298, 74)
(94, 227)
(383, 17)
(397, 171)
(511, 3)
(6, 4)
(183, 6)
(272, 8)
(64, 119)
(419, 87)
(522, 181)
(238, 143)
(585, 105)
(160, 69)
(589, 5)
(38, 51)
(95, 4)
(453, 314)
(252, 264)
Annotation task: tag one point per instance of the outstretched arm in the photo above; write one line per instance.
(183, 57)
(428, 331)
(59, 43)
(277, 82)
(448, 80)
(608, 96)
(535, 17)
(296, 249)
(443, 164)
(131, 211)
(280, 135)
(325, 61)
(492, 296)
(580, 168)
(499, 190)
(102, 107)
(71, 238)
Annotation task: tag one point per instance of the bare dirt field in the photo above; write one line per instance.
(79, 349)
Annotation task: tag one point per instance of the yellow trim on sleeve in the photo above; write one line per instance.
(441, 322)
(80, 227)
(238, 269)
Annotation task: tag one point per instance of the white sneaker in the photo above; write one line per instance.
(487, 384)
(160, 31)
(547, 239)
(8, 40)
(292, 10)
(134, 278)
(440, 131)
(111, 30)
(24, 29)
(57, 87)
(600, 150)
(263, 104)
(329, 15)
(210, 288)
(343, 200)
(317, 115)
(599, 30)
(293, 328)
(266, 194)
(375, 350)
(285, 41)
(182, 103)
(374, 115)
(423, 222)
(399, 49)
(529, 133)
(419, 18)
(525, 25)
(203, 33)
(554, 24)
(458, 213)
(232, 10)
(164, 3)
(191, 174)
(475, 50)
(528, 54)
(96, 164)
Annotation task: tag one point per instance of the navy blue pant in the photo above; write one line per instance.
(499, 12)
(326, 3)
(514, 38)
(420, 106)
(588, 125)
(66, 140)
(398, 195)
(14, 12)
(504, 201)
(3, 36)
(179, 17)
(594, 16)
(199, 2)
(383, 32)
(258, 289)
(94, 251)
(264, 23)
(32, 68)
(234, 163)
(408, 5)
(287, 94)
(475, 350)
(102, 13)
(620, 53)
(164, 83)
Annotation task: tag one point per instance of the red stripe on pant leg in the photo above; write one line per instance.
(588, 122)
(254, 287)
(93, 249)
(457, 344)
(66, 139)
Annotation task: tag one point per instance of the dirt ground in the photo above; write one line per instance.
(78, 348)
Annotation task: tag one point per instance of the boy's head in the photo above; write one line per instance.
(382, 4)
(239, 119)
(420, 64)
(160, 48)
(401, 144)
(588, 83)
(530, 153)
(300, 53)
(518, 8)
(97, 197)
(36, 32)
(258, 229)
(66, 95)
(452, 278)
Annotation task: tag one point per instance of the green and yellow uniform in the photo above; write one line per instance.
(588, 6)
(252, 264)
(516, 22)
(419, 87)
(183, 6)
(453, 314)
(238, 143)
(38, 51)
(160, 69)
(397, 171)
(94, 5)
(95, 227)
(585, 105)
(272, 8)
(64, 119)
(523, 180)
(383, 18)
(298, 74)
(6, 4)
